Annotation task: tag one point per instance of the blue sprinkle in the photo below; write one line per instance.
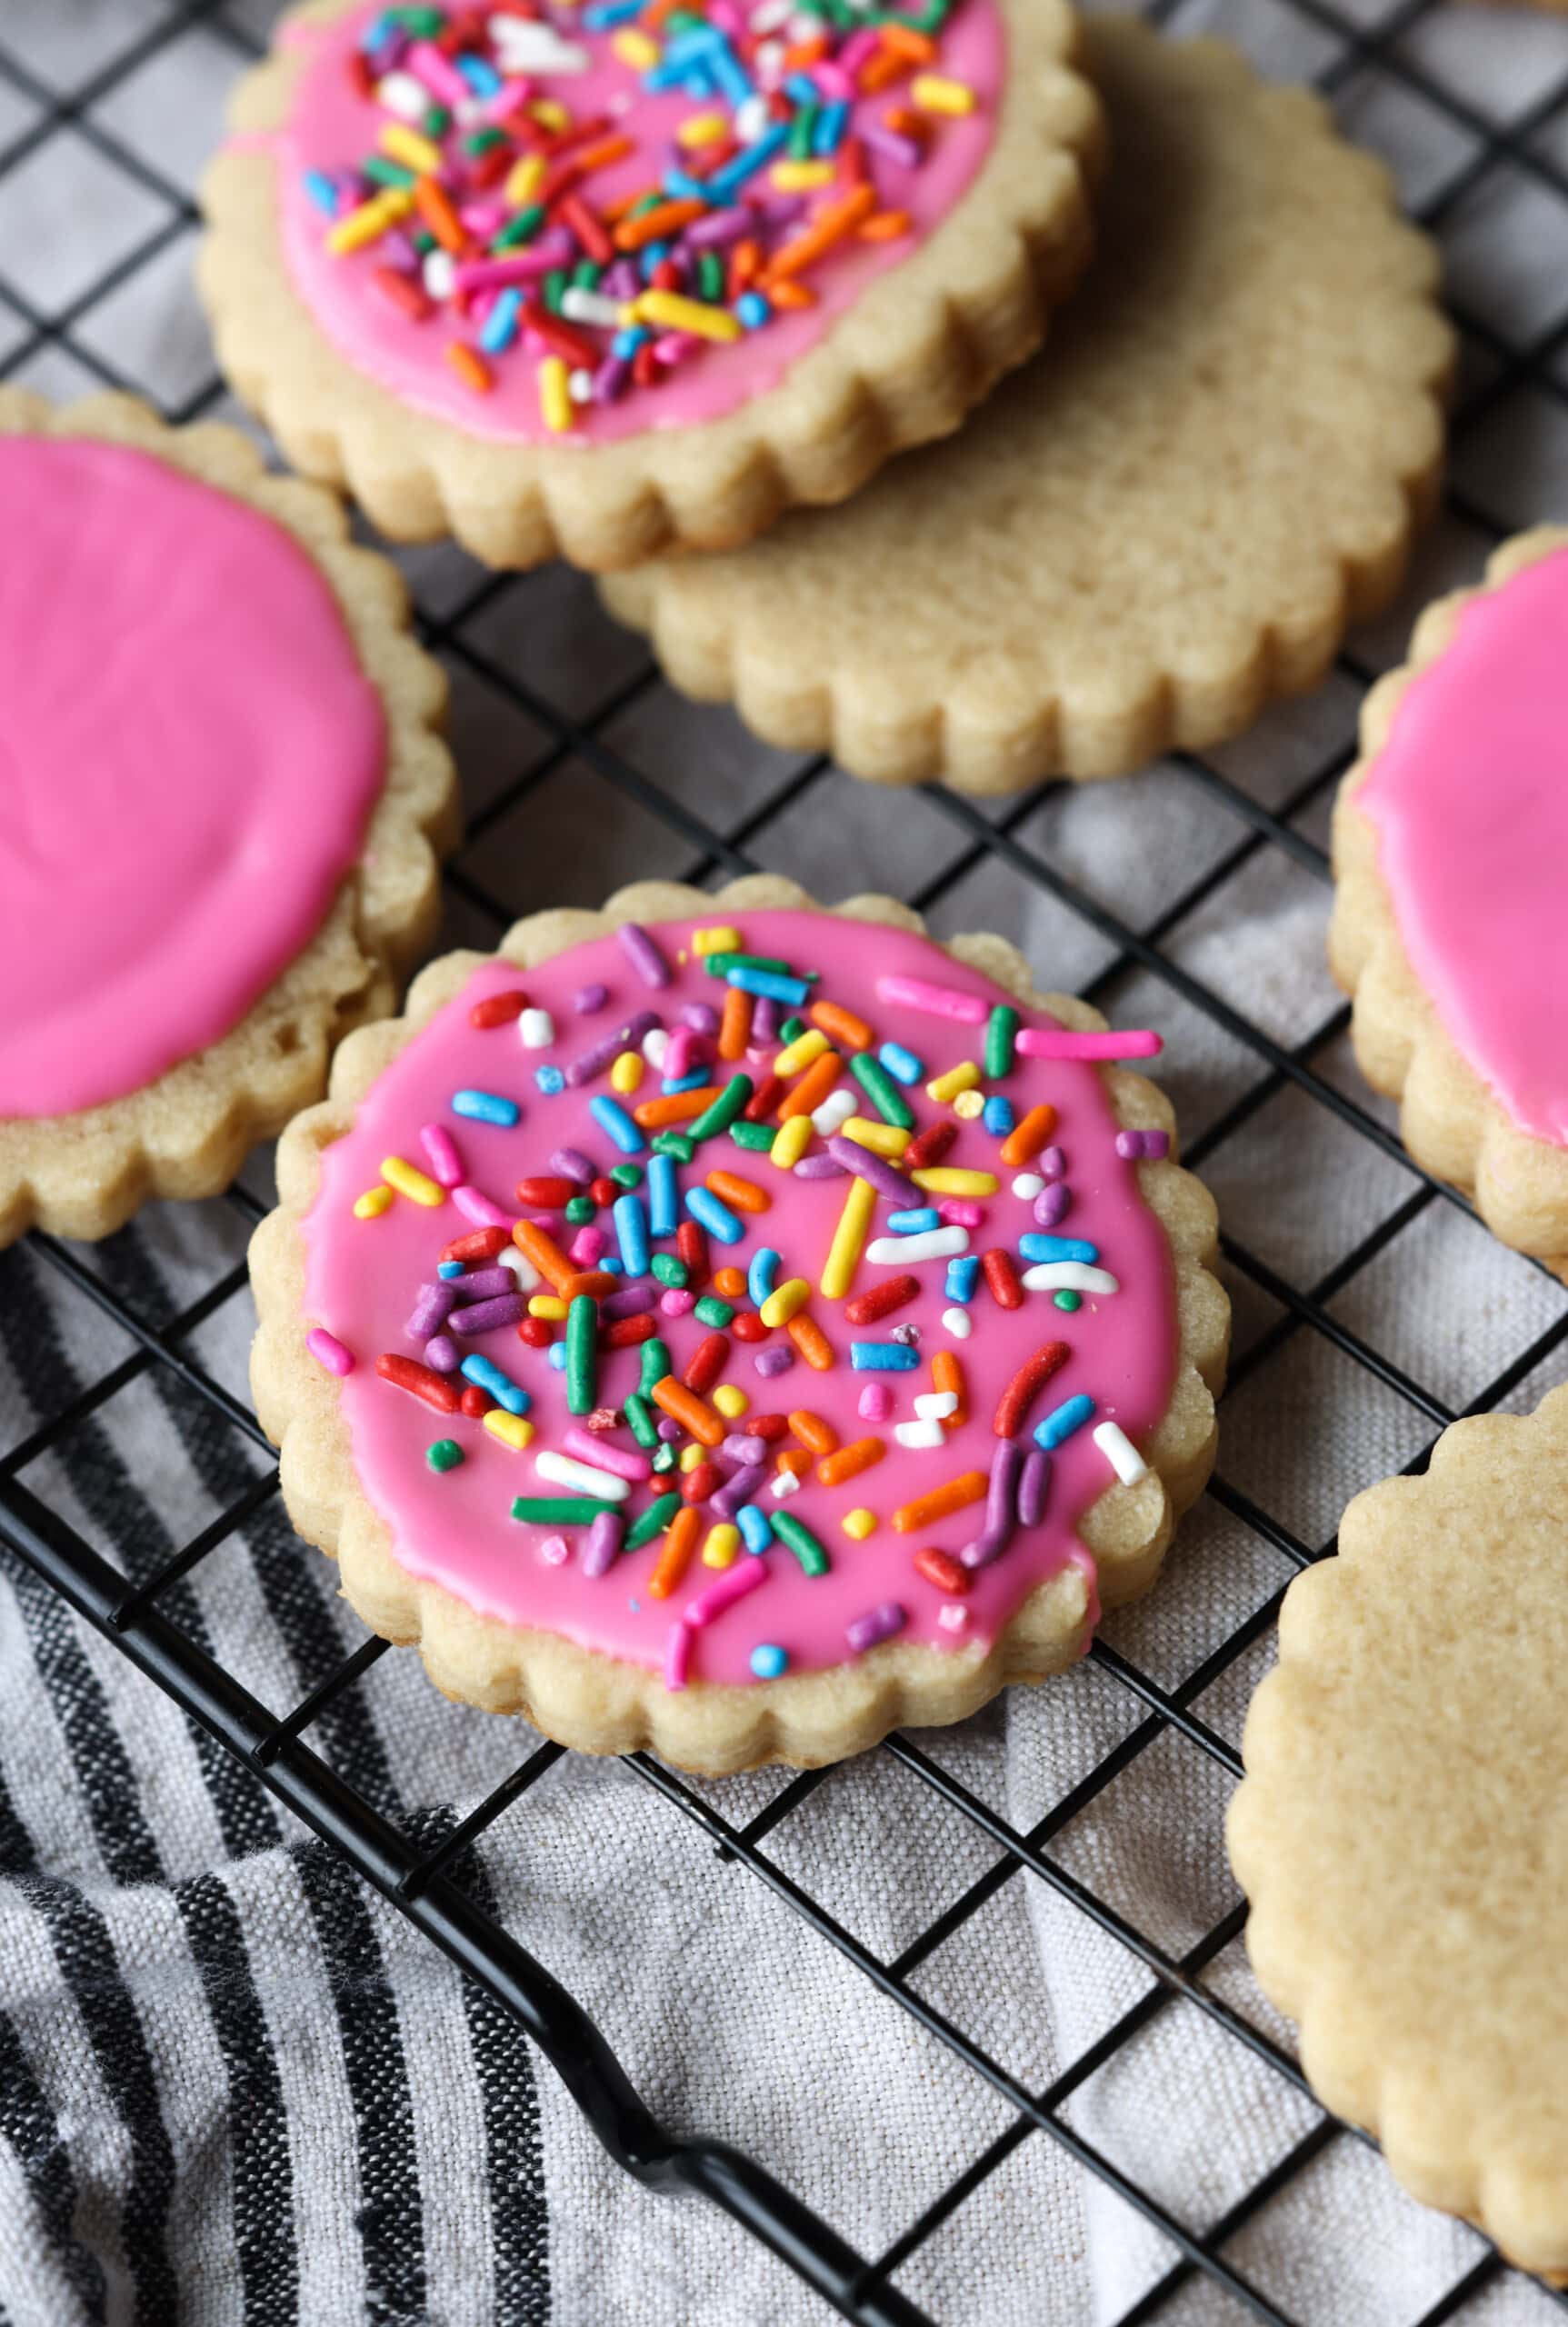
(1068, 1417)
(760, 1276)
(681, 187)
(612, 1119)
(735, 174)
(630, 1218)
(549, 1080)
(556, 1353)
(828, 134)
(997, 1115)
(778, 988)
(768, 1662)
(499, 329)
(1057, 1248)
(752, 310)
(803, 89)
(322, 191)
(612, 1264)
(625, 343)
(501, 1386)
(695, 1081)
(756, 1528)
(653, 257)
(914, 1223)
(706, 1209)
(901, 1064)
(883, 1357)
(605, 14)
(663, 1216)
(962, 1276)
(486, 1107)
(450, 1269)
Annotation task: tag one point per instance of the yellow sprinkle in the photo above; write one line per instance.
(800, 177)
(371, 1203)
(858, 1524)
(690, 1455)
(785, 1301)
(789, 1143)
(968, 1105)
(406, 145)
(556, 394)
(715, 941)
(547, 1304)
(956, 1079)
(672, 312)
(800, 1051)
(512, 1429)
(883, 1139)
(730, 1399)
(635, 49)
(551, 112)
(524, 180)
(370, 221)
(705, 129)
(848, 1240)
(934, 93)
(721, 1545)
(947, 1180)
(417, 1186)
(628, 1070)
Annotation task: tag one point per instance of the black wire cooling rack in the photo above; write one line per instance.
(1364, 55)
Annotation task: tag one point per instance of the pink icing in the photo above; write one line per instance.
(456, 1527)
(331, 127)
(1469, 797)
(188, 754)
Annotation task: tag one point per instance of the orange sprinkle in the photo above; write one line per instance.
(831, 225)
(433, 206)
(600, 156)
(652, 225)
(469, 365)
(595, 1282)
(794, 1460)
(694, 1414)
(881, 70)
(907, 124)
(812, 1432)
(811, 1342)
(742, 1196)
(851, 1459)
(940, 1504)
(790, 294)
(745, 262)
(1028, 1136)
(735, 1023)
(804, 53)
(674, 1107)
(680, 1543)
(947, 1374)
(813, 1088)
(730, 1284)
(885, 227)
(545, 1252)
(842, 1024)
(904, 41)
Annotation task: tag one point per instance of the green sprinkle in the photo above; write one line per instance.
(424, 24)
(653, 1521)
(664, 1456)
(579, 1210)
(757, 1137)
(881, 1090)
(423, 241)
(675, 1143)
(586, 275)
(792, 1030)
(1001, 1031)
(794, 1532)
(655, 1363)
(627, 1175)
(521, 229)
(1068, 1301)
(444, 1455)
(800, 134)
(640, 1420)
(719, 965)
(645, 202)
(436, 122)
(710, 1311)
(721, 1113)
(557, 1510)
(555, 285)
(711, 277)
(669, 1271)
(582, 1355)
(480, 141)
(382, 171)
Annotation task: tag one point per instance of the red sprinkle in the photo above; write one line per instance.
(499, 1009)
(691, 1247)
(748, 1326)
(625, 1333)
(1001, 1276)
(545, 1193)
(537, 1331)
(942, 1569)
(881, 1301)
(707, 1363)
(476, 1401)
(1031, 1376)
(604, 1193)
(586, 224)
(768, 1426)
(701, 1481)
(929, 1146)
(763, 1100)
(482, 1245)
(423, 1381)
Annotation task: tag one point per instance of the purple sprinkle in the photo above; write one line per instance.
(1000, 1504)
(867, 1167)
(481, 1285)
(738, 1488)
(603, 1543)
(1053, 1204)
(908, 1336)
(1032, 1481)
(667, 1429)
(611, 382)
(632, 1301)
(622, 282)
(782, 209)
(1052, 1164)
(487, 1316)
(571, 1163)
(443, 1353)
(766, 1018)
(589, 998)
(1131, 1144)
(777, 1360)
(820, 1167)
(879, 1623)
(626, 1036)
(747, 1451)
(701, 1017)
(720, 228)
(890, 144)
(643, 954)
(431, 1310)
(554, 1551)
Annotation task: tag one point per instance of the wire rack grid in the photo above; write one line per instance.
(1485, 167)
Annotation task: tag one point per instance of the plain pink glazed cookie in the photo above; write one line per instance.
(219, 785)
(720, 1325)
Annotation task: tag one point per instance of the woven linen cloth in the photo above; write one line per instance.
(236, 2088)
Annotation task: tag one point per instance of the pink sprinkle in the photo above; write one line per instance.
(587, 1245)
(959, 1212)
(446, 1164)
(936, 1000)
(517, 266)
(1060, 1041)
(952, 1615)
(554, 1551)
(834, 82)
(552, 1223)
(479, 1208)
(685, 1050)
(678, 1303)
(621, 1461)
(482, 219)
(678, 1650)
(426, 63)
(733, 1586)
(511, 93)
(328, 1351)
(856, 49)
(876, 1402)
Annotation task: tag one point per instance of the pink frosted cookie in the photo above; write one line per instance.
(718, 1325)
(605, 280)
(219, 787)
(1451, 847)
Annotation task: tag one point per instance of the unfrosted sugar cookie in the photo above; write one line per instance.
(1144, 538)
(609, 279)
(1400, 1830)
(1451, 852)
(220, 783)
(723, 1326)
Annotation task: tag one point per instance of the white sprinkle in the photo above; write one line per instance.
(935, 1405)
(952, 1615)
(930, 1244)
(784, 1484)
(522, 1268)
(524, 46)
(1121, 1454)
(654, 1045)
(564, 1470)
(834, 1110)
(537, 1029)
(439, 272)
(1027, 1186)
(773, 15)
(920, 1433)
(582, 306)
(1068, 1276)
(752, 117)
(400, 93)
(767, 64)
(580, 386)
(958, 1322)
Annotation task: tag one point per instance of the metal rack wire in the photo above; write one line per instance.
(1355, 47)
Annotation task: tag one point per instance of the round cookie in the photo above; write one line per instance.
(1449, 840)
(222, 790)
(597, 286)
(1138, 542)
(828, 1373)
(1400, 1829)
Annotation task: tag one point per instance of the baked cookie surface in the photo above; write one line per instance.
(837, 1406)
(222, 786)
(606, 288)
(1146, 535)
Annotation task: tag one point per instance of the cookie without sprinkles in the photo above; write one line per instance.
(1149, 533)
(1400, 1830)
